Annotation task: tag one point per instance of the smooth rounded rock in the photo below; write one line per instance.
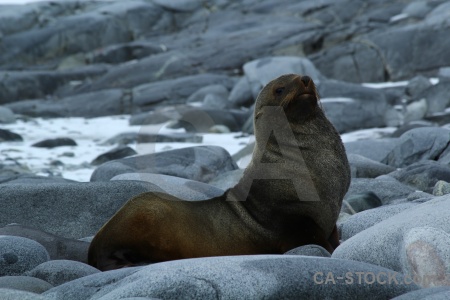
(57, 272)
(200, 163)
(239, 277)
(360, 202)
(426, 143)
(384, 243)
(386, 189)
(12, 294)
(18, 255)
(309, 250)
(434, 293)
(180, 187)
(363, 167)
(423, 175)
(24, 283)
(365, 219)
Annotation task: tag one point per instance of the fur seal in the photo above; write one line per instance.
(290, 194)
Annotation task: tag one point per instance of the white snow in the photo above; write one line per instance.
(89, 134)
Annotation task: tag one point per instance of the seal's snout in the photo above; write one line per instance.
(305, 80)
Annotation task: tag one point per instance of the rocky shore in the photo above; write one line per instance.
(196, 67)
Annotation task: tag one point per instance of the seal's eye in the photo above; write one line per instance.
(279, 91)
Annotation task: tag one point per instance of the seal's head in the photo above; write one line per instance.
(295, 94)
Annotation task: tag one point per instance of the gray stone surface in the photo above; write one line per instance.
(376, 150)
(10, 294)
(434, 293)
(387, 189)
(259, 72)
(236, 277)
(18, 255)
(360, 202)
(179, 187)
(24, 283)
(403, 243)
(365, 219)
(57, 272)
(309, 250)
(419, 144)
(423, 175)
(70, 210)
(363, 167)
(196, 163)
(57, 247)
(6, 115)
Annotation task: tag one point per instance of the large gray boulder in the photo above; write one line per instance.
(238, 277)
(70, 210)
(201, 163)
(415, 242)
(18, 255)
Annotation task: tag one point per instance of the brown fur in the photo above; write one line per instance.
(290, 194)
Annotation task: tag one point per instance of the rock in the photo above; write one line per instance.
(423, 175)
(381, 56)
(387, 190)
(202, 119)
(376, 150)
(404, 128)
(441, 188)
(24, 283)
(70, 210)
(57, 272)
(417, 85)
(175, 91)
(9, 136)
(227, 180)
(26, 178)
(427, 255)
(88, 105)
(179, 5)
(200, 163)
(56, 246)
(444, 72)
(116, 153)
(360, 202)
(241, 94)
(180, 187)
(9, 294)
(426, 143)
(219, 129)
(436, 97)
(415, 111)
(353, 61)
(418, 9)
(309, 250)
(392, 242)
(147, 136)
(119, 53)
(92, 27)
(434, 293)
(207, 95)
(18, 255)
(23, 85)
(243, 277)
(365, 219)
(261, 71)
(348, 114)
(6, 116)
(360, 105)
(52, 143)
(362, 167)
